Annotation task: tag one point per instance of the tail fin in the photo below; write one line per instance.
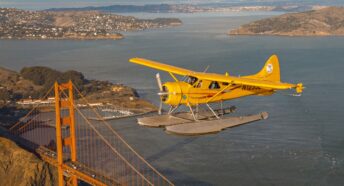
(270, 71)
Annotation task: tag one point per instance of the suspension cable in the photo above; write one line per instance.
(107, 143)
(113, 131)
(30, 112)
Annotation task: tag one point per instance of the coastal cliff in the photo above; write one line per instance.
(22, 168)
(324, 22)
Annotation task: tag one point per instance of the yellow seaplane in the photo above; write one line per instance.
(202, 88)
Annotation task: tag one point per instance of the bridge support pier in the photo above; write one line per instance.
(67, 102)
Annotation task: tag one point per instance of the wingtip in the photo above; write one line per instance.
(135, 59)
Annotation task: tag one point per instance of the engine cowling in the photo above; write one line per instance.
(174, 92)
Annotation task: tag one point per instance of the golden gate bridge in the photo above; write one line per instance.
(82, 149)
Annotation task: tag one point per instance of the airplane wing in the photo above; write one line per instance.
(217, 77)
(161, 66)
(245, 81)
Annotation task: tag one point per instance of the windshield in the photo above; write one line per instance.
(191, 80)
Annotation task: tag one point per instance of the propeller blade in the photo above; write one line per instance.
(160, 108)
(161, 93)
(158, 79)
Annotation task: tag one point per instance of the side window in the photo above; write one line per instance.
(214, 85)
(199, 84)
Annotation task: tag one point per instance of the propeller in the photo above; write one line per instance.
(161, 93)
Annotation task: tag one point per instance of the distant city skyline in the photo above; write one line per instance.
(43, 4)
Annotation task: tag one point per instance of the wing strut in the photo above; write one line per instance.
(211, 98)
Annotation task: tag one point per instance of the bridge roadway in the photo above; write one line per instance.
(81, 171)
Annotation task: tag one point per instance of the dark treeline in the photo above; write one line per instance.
(45, 77)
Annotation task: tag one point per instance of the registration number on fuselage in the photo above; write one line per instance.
(250, 88)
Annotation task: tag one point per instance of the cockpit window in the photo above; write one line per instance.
(214, 85)
(191, 80)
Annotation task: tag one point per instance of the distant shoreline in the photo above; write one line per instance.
(73, 25)
(119, 37)
(191, 8)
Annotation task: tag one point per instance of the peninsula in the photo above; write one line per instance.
(21, 91)
(324, 22)
(22, 24)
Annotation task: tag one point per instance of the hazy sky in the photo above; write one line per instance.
(42, 4)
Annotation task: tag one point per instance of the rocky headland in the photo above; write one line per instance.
(20, 167)
(20, 91)
(323, 22)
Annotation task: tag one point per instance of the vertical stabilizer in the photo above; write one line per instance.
(270, 71)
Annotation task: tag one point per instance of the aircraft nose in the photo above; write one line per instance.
(164, 93)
